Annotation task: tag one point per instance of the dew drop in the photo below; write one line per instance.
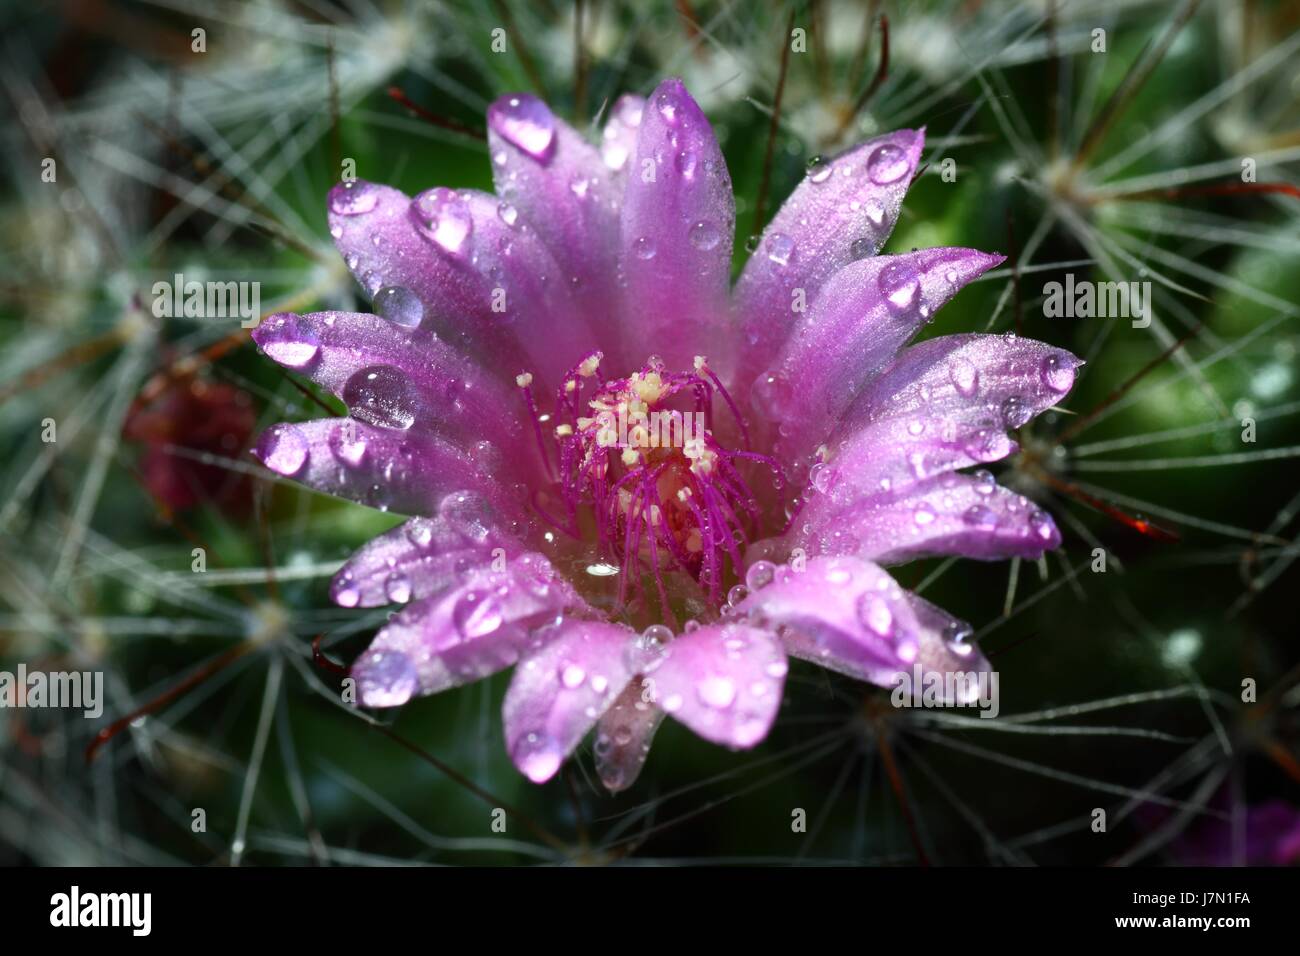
(704, 236)
(385, 678)
(716, 692)
(526, 122)
(399, 306)
(283, 449)
(963, 374)
(1055, 374)
(289, 339)
(862, 248)
(398, 588)
(887, 164)
(899, 284)
(443, 216)
(474, 616)
(348, 444)
(780, 248)
(381, 395)
(980, 516)
(644, 248)
(354, 198)
(760, 575)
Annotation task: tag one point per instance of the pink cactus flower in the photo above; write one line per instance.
(638, 485)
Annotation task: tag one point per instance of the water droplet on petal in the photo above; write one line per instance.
(716, 692)
(819, 170)
(887, 164)
(1016, 411)
(537, 756)
(381, 395)
(348, 443)
(572, 675)
(772, 394)
(526, 122)
(385, 678)
(283, 449)
(476, 616)
(780, 248)
(862, 248)
(289, 339)
(980, 516)
(923, 514)
(1042, 525)
(353, 198)
(875, 614)
(964, 375)
(398, 588)
(760, 575)
(1056, 375)
(644, 248)
(899, 284)
(419, 531)
(666, 104)
(399, 306)
(443, 216)
(705, 236)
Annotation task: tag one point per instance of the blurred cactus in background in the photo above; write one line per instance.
(1149, 673)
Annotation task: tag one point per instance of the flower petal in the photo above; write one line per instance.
(864, 315)
(385, 468)
(484, 280)
(848, 615)
(466, 634)
(564, 191)
(843, 210)
(559, 692)
(441, 389)
(842, 613)
(425, 556)
(971, 516)
(723, 681)
(623, 736)
(678, 219)
(946, 403)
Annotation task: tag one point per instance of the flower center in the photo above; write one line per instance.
(635, 464)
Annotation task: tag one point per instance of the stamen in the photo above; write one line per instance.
(651, 475)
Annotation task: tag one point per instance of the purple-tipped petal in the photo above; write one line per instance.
(618, 138)
(483, 626)
(723, 681)
(848, 615)
(624, 734)
(678, 220)
(953, 514)
(563, 190)
(946, 403)
(357, 355)
(945, 649)
(425, 556)
(386, 468)
(483, 279)
(865, 314)
(843, 211)
(559, 692)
